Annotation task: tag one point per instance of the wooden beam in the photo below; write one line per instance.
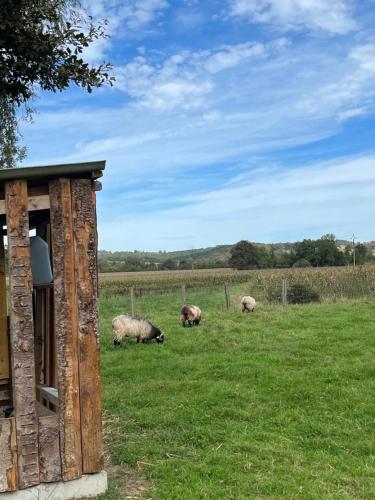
(49, 449)
(22, 333)
(8, 462)
(39, 337)
(85, 258)
(4, 347)
(66, 330)
(40, 202)
(49, 393)
(97, 186)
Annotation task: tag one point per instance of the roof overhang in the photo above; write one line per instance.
(42, 174)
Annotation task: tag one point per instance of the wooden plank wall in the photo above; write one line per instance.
(85, 244)
(8, 461)
(66, 330)
(22, 332)
(4, 348)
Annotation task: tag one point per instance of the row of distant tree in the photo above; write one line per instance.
(307, 253)
(325, 251)
(139, 263)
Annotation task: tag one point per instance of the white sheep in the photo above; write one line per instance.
(140, 329)
(190, 314)
(248, 304)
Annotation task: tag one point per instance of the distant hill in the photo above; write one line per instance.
(216, 256)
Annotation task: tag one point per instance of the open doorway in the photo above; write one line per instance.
(43, 309)
(6, 404)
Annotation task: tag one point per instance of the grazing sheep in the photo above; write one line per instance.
(248, 304)
(190, 314)
(140, 329)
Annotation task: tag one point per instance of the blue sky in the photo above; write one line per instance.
(229, 120)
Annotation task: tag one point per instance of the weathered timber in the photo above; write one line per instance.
(85, 244)
(66, 328)
(50, 394)
(34, 203)
(31, 191)
(49, 449)
(8, 459)
(22, 333)
(97, 186)
(4, 347)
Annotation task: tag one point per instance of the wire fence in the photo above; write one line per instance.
(270, 286)
(266, 288)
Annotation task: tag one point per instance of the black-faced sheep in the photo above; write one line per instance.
(140, 329)
(248, 304)
(191, 315)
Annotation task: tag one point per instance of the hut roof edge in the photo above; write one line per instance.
(92, 169)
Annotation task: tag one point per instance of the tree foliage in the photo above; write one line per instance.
(322, 252)
(42, 42)
(361, 253)
(245, 255)
(42, 45)
(10, 152)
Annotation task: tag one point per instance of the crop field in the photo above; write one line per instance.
(332, 283)
(273, 404)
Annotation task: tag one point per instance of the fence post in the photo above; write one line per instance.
(132, 301)
(227, 296)
(284, 293)
(183, 295)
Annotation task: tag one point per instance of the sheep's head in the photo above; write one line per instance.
(160, 338)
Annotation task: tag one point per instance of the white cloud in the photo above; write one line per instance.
(230, 56)
(334, 16)
(163, 87)
(352, 90)
(131, 14)
(185, 78)
(186, 116)
(131, 18)
(270, 206)
(140, 13)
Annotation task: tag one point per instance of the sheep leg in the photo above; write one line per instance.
(137, 340)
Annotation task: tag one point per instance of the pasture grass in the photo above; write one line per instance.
(274, 404)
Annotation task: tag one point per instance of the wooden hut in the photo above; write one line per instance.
(50, 400)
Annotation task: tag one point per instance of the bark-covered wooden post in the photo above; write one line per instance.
(66, 328)
(22, 332)
(85, 259)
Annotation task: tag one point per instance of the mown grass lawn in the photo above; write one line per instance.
(279, 403)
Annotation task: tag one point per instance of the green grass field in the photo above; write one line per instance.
(275, 404)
